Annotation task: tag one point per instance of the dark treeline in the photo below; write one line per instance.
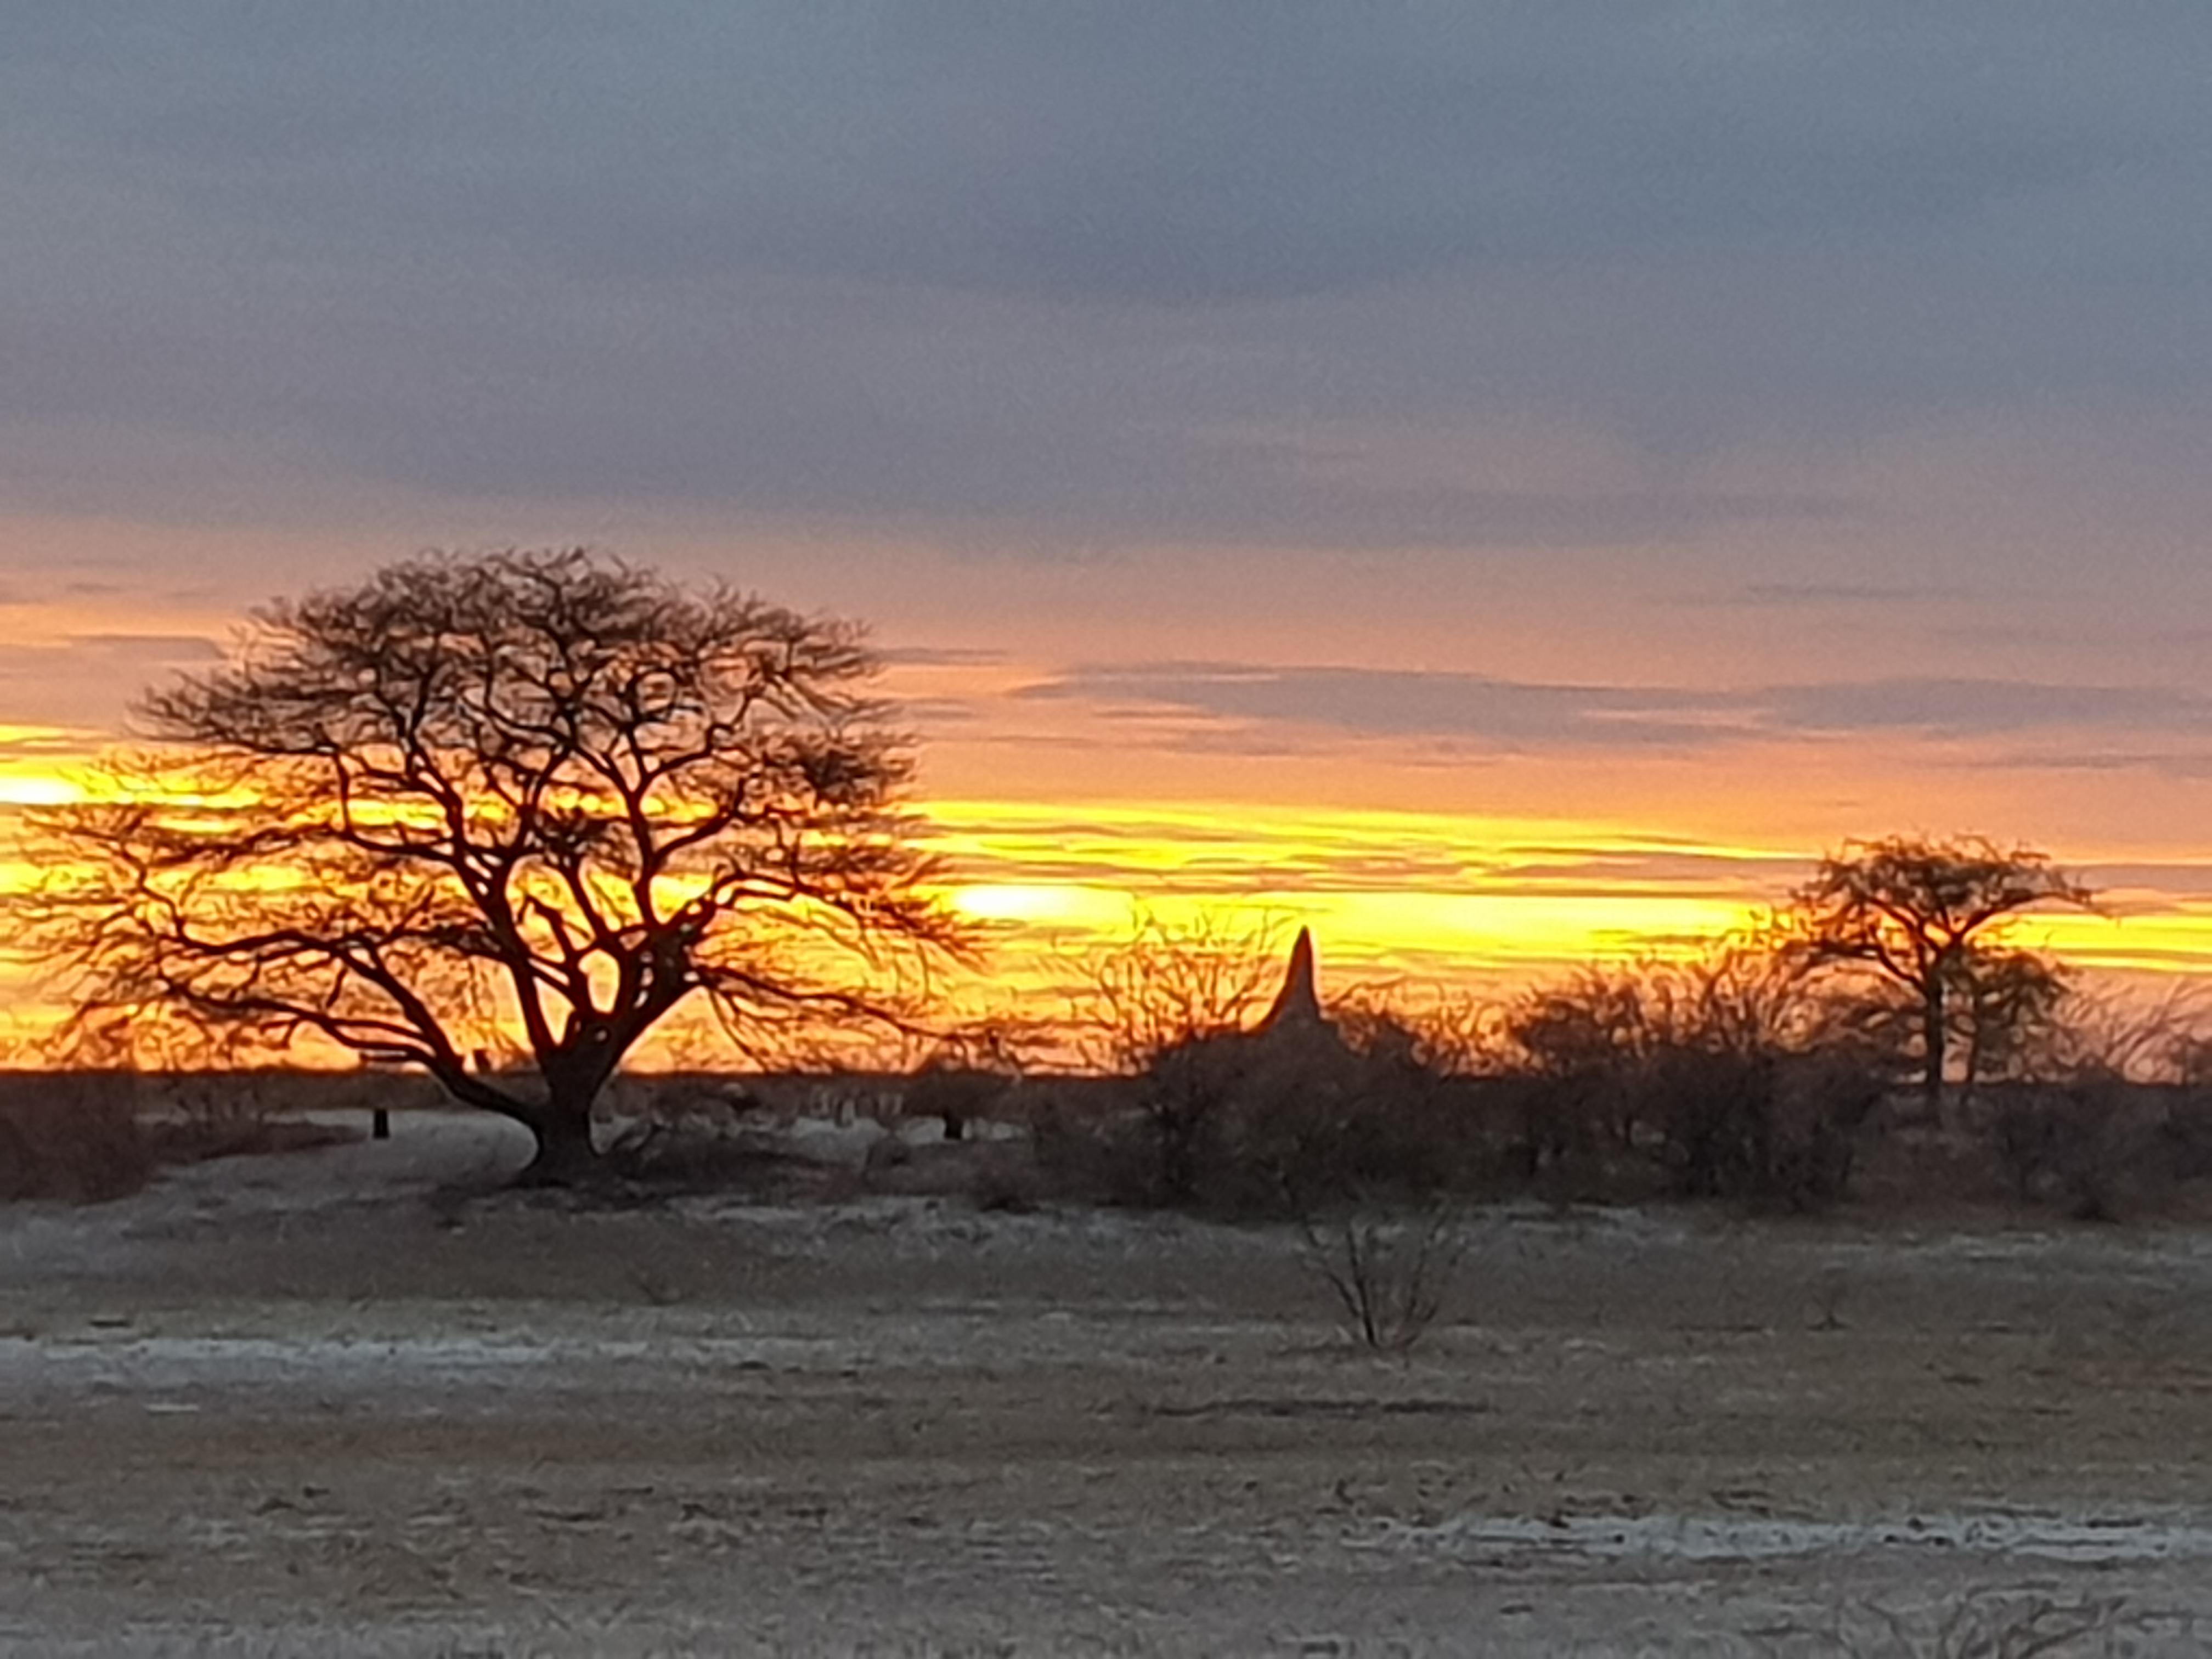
(1883, 1032)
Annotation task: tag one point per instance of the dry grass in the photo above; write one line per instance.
(2000, 1625)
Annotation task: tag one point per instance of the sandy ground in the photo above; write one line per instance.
(315, 1404)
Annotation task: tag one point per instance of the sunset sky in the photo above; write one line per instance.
(1502, 481)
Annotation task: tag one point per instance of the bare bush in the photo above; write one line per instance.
(1325, 1123)
(1080, 1132)
(1441, 1032)
(1390, 1270)
(1734, 1074)
(2109, 1111)
(1287, 1119)
(1246, 1113)
(72, 1136)
(1184, 1094)
(2156, 1037)
(1170, 982)
(2098, 1146)
(1167, 1008)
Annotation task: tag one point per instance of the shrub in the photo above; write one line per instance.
(2110, 1108)
(2096, 1144)
(1768, 1128)
(1183, 1096)
(1333, 1124)
(1085, 1145)
(1390, 1270)
(1731, 1075)
(71, 1136)
(1288, 1120)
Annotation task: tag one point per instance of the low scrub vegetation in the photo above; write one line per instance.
(71, 1136)
(89, 1135)
(1988, 1625)
(1754, 1073)
(1760, 1072)
(1738, 1074)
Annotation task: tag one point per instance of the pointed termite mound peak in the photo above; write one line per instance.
(1298, 1003)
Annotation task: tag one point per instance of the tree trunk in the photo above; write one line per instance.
(574, 1077)
(565, 1156)
(1970, 1081)
(1935, 1043)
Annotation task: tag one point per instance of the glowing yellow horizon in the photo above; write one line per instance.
(1482, 904)
(1386, 889)
(1478, 903)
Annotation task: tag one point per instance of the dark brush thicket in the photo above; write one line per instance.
(1796, 1117)
(1880, 1033)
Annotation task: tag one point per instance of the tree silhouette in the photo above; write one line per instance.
(1170, 983)
(1169, 1007)
(548, 794)
(1923, 915)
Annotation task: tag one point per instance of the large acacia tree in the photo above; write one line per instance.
(545, 792)
(1929, 917)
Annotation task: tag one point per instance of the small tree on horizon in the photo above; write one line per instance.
(1927, 917)
(549, 793)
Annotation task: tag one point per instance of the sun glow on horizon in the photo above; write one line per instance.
(1042, 904)
(37, 789)
(1382, 889)
(1482, 905)
(1466, 904)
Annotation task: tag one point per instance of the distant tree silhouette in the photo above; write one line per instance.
(549, 793)
(1170, 983)
(1169, 1007)
(1926, 917)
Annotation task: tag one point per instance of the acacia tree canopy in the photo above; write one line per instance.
(1927, 917)
(549, 791)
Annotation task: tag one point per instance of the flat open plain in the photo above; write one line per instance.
(318, 1403)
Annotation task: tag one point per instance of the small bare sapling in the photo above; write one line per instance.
(1391, 1270)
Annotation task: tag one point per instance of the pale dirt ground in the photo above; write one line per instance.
(305, 1405)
